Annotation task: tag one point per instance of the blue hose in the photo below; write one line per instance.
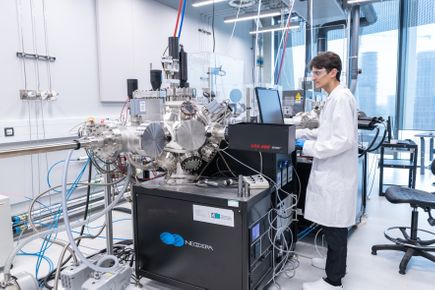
(182, 19)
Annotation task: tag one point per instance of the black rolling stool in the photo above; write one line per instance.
(412, 245)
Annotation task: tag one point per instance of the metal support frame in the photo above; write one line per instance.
(108, 216)
(35, 56)
(410, 164)
(414, 224)
(42, 148)
(309, 37)
(401, 63)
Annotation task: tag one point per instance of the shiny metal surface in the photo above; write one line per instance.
(190, 134)
(221, 191)
(167, 161)
(191, 162)
(153, 140)
(42, 148)
(208, 151)
(108, 216)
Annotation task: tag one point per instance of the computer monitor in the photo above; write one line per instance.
(269, 105)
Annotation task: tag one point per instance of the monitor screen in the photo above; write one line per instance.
(269, 105)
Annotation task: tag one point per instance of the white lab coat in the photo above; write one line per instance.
(333, 183)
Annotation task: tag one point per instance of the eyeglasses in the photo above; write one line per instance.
(318, 73)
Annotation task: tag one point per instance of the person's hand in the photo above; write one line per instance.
(299, 143)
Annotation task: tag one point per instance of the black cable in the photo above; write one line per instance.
(212, 28)
(369, 149)
(371, 143)
(122, 209)
(94, 158)
(382, 141)
(50, 276)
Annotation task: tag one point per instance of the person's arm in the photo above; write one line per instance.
(342, 126)
(307, 134)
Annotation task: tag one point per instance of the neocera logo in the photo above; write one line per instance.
(172, 239)
(199, 245)
(178, 241)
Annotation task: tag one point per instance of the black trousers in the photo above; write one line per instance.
(336, 238)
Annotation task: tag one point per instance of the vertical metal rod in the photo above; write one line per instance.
(353, 48)
(405, 8)
(309, 36)
(414, 224)
(107, 201)
(309, 40)
(349, 52)
(240, 186)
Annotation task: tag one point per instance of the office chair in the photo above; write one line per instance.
(432, 168)
(410, 243)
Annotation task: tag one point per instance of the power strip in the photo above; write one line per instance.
(256, 181)
(74, 276)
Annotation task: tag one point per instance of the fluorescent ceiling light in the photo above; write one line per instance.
(275, 28)
(253, 15)
(206, 2)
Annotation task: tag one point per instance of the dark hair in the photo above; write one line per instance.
(327, 60)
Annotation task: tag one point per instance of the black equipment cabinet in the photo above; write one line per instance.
(209, 238)
(202, 238)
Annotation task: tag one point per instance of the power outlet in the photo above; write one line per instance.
(9, 131)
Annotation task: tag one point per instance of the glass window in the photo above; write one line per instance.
(419, 92)
(293, 67)
(376, 86)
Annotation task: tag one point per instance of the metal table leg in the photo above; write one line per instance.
(422, 146)
(431, 149)
(381, 172)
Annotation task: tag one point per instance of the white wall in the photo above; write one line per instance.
(72, 39)
(131, 37)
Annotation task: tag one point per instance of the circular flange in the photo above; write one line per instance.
(153, 140)
(190, 134)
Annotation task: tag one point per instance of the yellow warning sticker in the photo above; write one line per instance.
(298, 97)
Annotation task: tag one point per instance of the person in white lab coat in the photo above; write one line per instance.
(332, 187)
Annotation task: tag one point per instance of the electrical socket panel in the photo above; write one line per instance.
(119, 280)
(73, 277)
(256, 181)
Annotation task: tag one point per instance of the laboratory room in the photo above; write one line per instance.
(217, 144)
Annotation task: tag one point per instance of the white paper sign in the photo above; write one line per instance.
(213, 215)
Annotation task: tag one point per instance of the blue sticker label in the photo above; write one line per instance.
(172, 239)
